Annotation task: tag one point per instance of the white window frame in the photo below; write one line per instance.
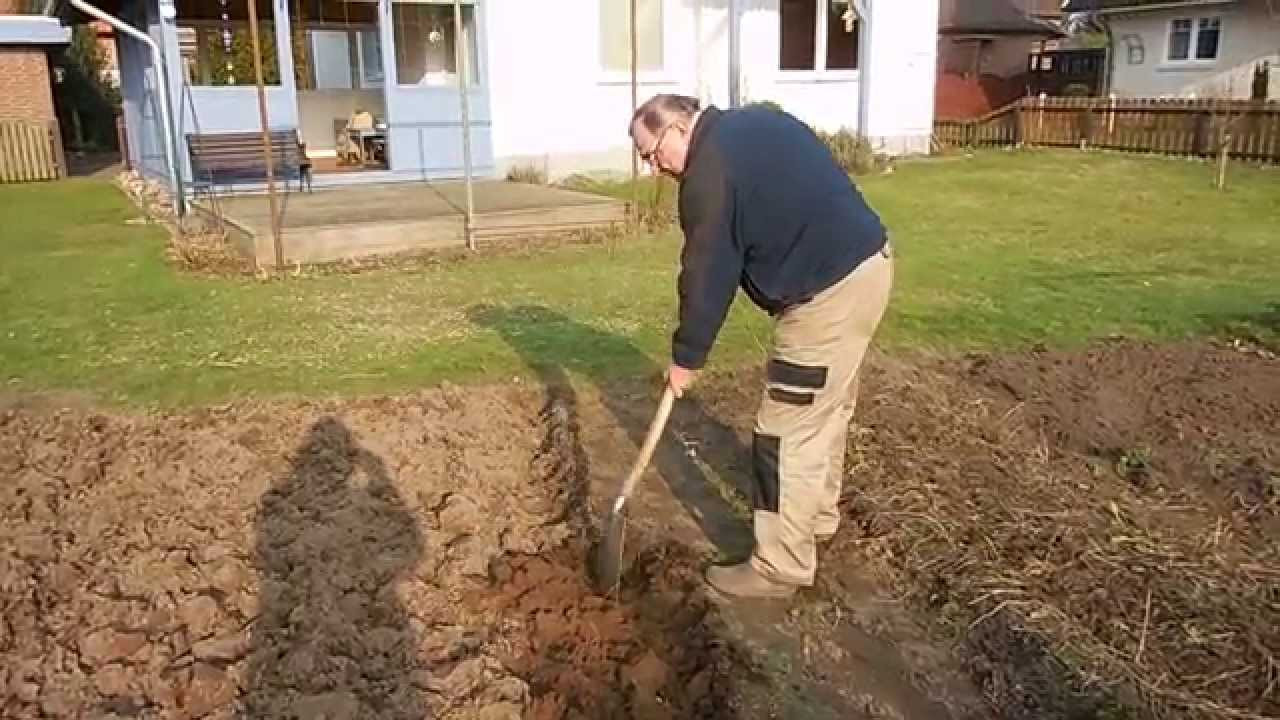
(1191, 58)
(448, 80)
(819, 73)
(661, 76)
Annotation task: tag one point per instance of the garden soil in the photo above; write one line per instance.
(424, 556)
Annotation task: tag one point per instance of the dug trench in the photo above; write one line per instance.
(1036, 535)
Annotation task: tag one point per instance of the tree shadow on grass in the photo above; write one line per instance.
(557, 347)
(1261, 326)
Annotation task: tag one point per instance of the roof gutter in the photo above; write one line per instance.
(166, 101)
(1162, 6)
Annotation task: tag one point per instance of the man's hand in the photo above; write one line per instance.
(680, 378)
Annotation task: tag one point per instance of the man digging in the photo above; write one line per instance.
(763, 205)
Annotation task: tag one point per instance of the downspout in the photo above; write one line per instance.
(166, 105)
(735, 56)
(863, 10)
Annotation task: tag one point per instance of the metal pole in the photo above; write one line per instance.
(635, 103)
(464, 76)
(266, 131)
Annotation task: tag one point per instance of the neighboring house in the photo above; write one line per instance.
(983, 51)
(25, 79)
(548, 81)
(994, 37)
(1190, 48)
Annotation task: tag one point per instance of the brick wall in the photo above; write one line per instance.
(25, 93)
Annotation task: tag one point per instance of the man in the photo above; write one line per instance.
(763, 205)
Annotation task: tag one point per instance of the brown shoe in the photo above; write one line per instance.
(743, 581)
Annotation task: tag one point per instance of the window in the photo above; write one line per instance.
(1180, 39)
(426, 38)
(816, 35)
(1194, 39)
(215, 43)
(615, 36)
(336, 44)
(1207, 32)
(842, 39)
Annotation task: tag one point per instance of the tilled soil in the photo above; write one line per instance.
(1083, 534)
(397, 558)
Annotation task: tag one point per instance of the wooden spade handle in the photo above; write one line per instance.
(656, 427)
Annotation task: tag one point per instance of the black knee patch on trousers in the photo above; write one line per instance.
(788, 397)
(764, 468)
(785, 372)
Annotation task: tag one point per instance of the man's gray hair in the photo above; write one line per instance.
(660, 110)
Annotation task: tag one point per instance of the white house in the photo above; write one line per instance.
(548, 80)
(1186, 48)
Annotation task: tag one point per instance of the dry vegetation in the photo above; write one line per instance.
(1100, 529)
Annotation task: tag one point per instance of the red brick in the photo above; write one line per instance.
(25, 93)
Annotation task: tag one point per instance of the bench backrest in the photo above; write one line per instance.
(242, 151)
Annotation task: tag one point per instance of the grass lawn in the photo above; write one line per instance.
(1003, 249)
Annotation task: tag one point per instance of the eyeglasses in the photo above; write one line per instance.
(648, 156)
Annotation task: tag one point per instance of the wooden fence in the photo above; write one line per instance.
(1249, 130)
(30, 151)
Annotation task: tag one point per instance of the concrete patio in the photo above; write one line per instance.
(359, 221)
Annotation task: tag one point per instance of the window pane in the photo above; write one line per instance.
(799, 28)
(842, 46)
(1180, 40)
(328, 19)
(615, 35)
(425, 38)
(331, 58)
(371, 59)
(1207, 38)
(216, 46)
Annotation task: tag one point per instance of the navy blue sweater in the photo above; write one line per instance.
(764, 206)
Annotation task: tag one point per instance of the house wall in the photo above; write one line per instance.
(1250, 34)
(573, 115)
(555, 107)
(25, 93)
(901, 71)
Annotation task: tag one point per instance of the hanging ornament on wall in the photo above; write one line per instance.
(226, 41)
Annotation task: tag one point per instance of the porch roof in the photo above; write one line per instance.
(1117, 6)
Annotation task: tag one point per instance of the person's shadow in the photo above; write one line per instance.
(555, 346)
(333, 537)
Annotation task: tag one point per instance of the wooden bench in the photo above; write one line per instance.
(223, 158)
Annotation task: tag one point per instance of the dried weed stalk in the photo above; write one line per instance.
(1149, 599)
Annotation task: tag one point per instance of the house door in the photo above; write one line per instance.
(424, 108)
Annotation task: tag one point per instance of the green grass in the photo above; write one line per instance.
(1000, 250)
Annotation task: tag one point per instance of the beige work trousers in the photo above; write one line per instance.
(811, 387)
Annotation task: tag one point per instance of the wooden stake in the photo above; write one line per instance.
(1223, 152)
(266, 132)
(460, 62)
